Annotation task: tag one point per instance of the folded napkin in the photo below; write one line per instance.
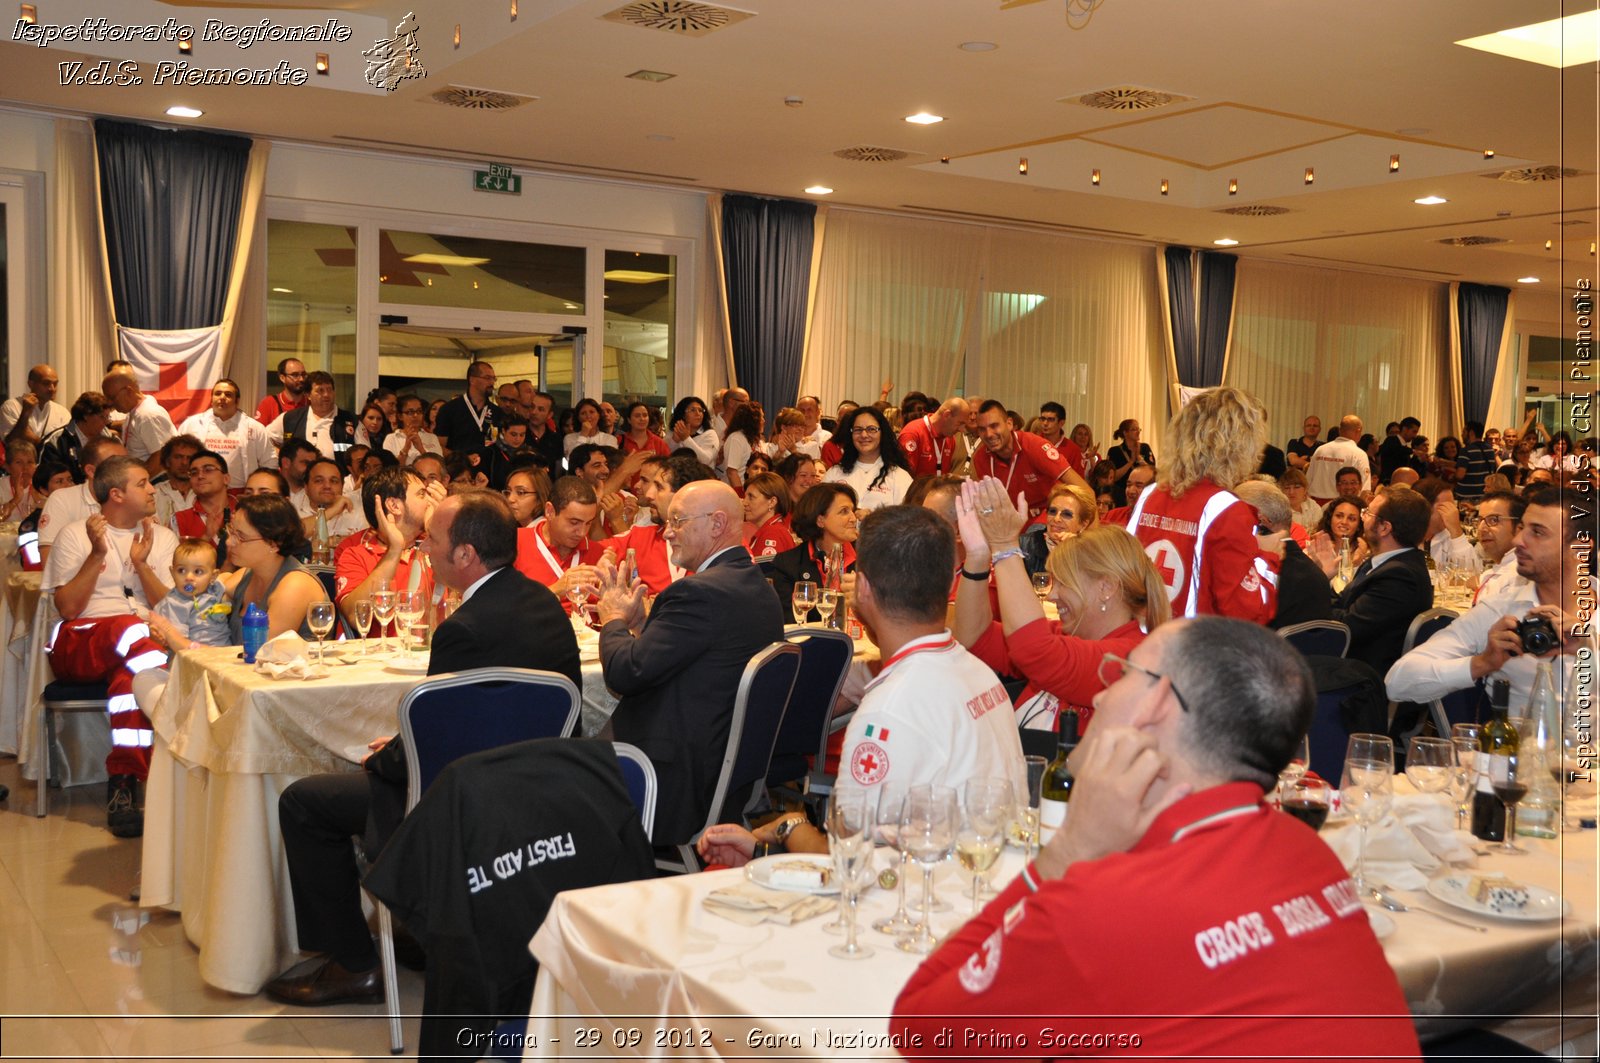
(749, 904)
(1404, 848)
(287, 657)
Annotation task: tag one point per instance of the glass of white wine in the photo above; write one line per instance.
(319, 618)
(1042, 582)
(383, 602)
(985, 806)
(805, 599)
(827, 602)
(409, 607)
(363, 614)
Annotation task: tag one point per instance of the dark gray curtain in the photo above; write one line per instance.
(1180, 306)
(170, 200)
(766, 251)
(1215, 318)
(1480, 320)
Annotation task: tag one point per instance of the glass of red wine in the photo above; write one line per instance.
(1510, 784)
(1306, 799)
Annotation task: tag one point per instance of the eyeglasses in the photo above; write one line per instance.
(1067, 513)
(204, 468)
(1112, 669)
(865, 430)
(236, 538)
(675, 524)
(1494, 520)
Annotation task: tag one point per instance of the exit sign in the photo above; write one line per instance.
(497, 178)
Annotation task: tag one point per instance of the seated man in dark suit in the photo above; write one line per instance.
(1392, 586)
(1304, 593)
(677, 670)
(505, 619)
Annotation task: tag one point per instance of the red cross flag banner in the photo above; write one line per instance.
(178, 367)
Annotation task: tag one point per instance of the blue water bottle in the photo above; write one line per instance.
(255, 631)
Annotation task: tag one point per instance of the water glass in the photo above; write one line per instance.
(850, 844)
(319, 618)
(804, 600)
(1464, 776)
(891, 806)
(383, 606)
(928, 825)
(1429, 762)
(1367, 790)
(409, 607)
(363, 615)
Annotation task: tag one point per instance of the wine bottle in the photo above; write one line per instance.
(1056, 789)
(1497, 741)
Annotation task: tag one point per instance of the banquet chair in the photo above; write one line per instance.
(1324, 638)
(639, 776)
(59, 696)
(1409, 721)
(1350, 699)
(758, 710)
(446, 717)
(825, 656)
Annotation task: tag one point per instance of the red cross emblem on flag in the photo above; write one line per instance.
(177, 367)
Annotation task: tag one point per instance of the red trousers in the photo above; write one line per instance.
(112, 650)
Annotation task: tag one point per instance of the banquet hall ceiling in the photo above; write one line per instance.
(777, 93)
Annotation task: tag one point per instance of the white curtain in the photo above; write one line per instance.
(950, 309)
(1330, 342)
(82, 335)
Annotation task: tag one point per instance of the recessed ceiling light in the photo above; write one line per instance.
(1527, 280)
(1560, 42)
(819, 190)
(184, 112)
(924, 118)
(1226, 241)
(1430, 201)
(978, 46)
(285, 291)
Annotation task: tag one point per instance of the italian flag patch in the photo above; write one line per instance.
(880, 733)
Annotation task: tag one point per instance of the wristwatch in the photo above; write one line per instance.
(781, 832)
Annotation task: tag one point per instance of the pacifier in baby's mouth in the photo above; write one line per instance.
(188, 588)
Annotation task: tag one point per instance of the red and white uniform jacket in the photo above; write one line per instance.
(1204, 548)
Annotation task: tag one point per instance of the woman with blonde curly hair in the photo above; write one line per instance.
(1198, 534)
(1106, 591)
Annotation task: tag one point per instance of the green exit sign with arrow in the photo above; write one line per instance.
(497, 178)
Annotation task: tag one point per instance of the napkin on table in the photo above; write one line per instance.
(287, 657)
(749, 904)
(1404, 848)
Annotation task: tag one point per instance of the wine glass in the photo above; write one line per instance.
(1299, 762)
(383, 604)
(1464, 776)
(850, 843)
(1469, 731)
(1508, 778)
(927, 831)
(1307, 799)
(891, 805)
(804, 600)
(1042, 582)
(408, 606)
(827, 601)
(319, 618)
(1428, 763)
(986, 804)
(1367, 790)
(1024, 829)
(363, 614)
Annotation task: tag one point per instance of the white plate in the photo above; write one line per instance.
(1542, 903)
(1382, 925)
(760, 872)
(407, 665)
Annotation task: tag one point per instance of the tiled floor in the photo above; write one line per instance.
(96, 977)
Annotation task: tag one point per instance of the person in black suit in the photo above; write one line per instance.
(824, 517)
(1391, 587)
(677, 669)
(1304, 593)
(1395, 453)
(505, 619)
(296, 423)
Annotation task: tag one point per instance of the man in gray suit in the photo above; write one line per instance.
(677, 669)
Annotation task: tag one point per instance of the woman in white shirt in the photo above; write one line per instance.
(587, 414)
(744, 439)
(691, 431)
(413, 440)
(872, 463)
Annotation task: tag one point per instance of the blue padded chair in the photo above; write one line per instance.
(825, 656)
(639, 776)
(449, 716)
(1323, 638)
(758, 710)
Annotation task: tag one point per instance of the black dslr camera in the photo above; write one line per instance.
(1538, 635)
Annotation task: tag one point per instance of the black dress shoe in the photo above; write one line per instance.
(324, 982)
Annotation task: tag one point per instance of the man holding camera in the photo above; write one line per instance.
(1495, 638)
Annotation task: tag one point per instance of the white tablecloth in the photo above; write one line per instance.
(228, 741)
(646, 957)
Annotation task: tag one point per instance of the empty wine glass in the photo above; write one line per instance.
(1469, 731)
(1508, 779)
(850, 844)
(1429, 762)
(319, 618)
(383, 603)
(363, 614)
(1464, 776)
(891, 805)
(409, 607)
(804, 600)
(927, 831)
(985, 806)
(1367, 790)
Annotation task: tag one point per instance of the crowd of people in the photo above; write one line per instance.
(681, 535)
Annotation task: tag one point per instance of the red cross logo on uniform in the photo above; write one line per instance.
(1169, 565)
(869, 763)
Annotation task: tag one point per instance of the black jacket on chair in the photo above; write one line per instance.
(1304, 593)
(679, 677)
(1379, 606)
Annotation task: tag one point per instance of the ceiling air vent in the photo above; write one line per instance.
(1527, 175)
(472, 99)
(1257, 210)
(868, 153)
(1473, 241)
(683, 17)
(1126, 98)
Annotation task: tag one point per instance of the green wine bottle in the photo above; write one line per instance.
(1056, 790)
